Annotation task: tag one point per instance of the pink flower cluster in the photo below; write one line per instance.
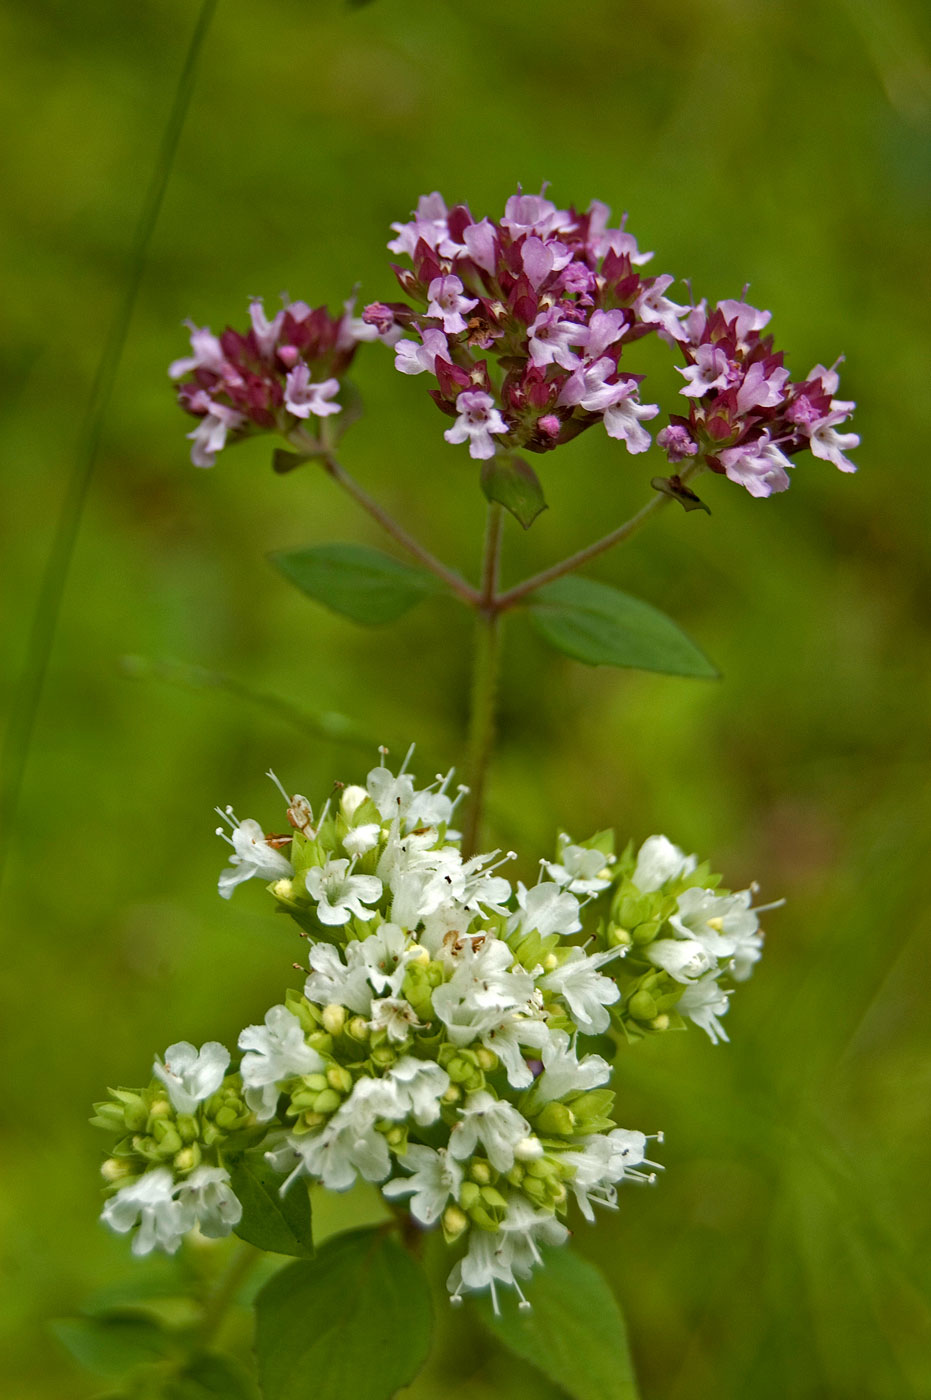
(522, 323)
(274, 377)
(746, 417)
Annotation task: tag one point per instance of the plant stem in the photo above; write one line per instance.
(520, 591)
(455, 582)
(485, 669)
(224, 1295)
(28, 690)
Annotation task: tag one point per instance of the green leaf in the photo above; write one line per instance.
(573, 1331)
(355, 1321)
(364, 584)
(212, 1375)
(601, 626)
(514, 484)
(111, 1346)
(270, 1221)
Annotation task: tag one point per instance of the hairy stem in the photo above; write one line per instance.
(485, 668)
(28, 690)
(522, 590)
(455, 582)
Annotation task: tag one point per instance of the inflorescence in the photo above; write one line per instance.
(523, 323)
(447, 1043)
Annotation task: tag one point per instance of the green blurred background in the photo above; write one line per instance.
(783, 1252)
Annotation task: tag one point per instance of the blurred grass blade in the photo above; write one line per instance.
(323, 724)
(28, 691)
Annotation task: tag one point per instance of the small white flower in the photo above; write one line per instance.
(274, 1052)
(546, 908)
(332, 981)
(339, 894)
(579, 868)
(585, 990)
(362, 839)
(601, 1161)
(495, 1124)
(207, 1191)
(725, 925)
(684, 959)
(658, 861)
(419, 1085)
(564, 1073)
(191, 1075)
(704, 1002)
(395, 1016)
(435, 1177)
(348, 1144)
(163, 1221)
(252, 855)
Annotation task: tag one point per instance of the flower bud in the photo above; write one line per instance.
(529, 1149)
(116, 1169)
(351, 800)
(358, 1028)
(480, 1171)
(334, 1019)
(642, 1006)
(660, 1023)
(618, 937)
(487, 1059)
(555, 1119)
(327, 1102)
(187, 1159)
(455, 1222)
(339, 1078)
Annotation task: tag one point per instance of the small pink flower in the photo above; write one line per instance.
(303, 398)
(550, 340)
(711, 370)
(478, 419)
(411, 358)
(757, 466)
(447, 303)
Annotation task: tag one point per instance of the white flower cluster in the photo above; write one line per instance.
(438, 1047)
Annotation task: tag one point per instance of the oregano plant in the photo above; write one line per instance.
(452, 1035)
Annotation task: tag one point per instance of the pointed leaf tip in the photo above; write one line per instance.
(600, 626)
(514, 484)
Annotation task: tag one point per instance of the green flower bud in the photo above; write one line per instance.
(535, 1189)
(618, 937)
(187, 1127)
(660, 1023)
(114, 1169)
(482, 1218)
(160, 1107)
(339, 1078)
(494, 1198)
(454, 1223)
(480, 1171)
(327, 1102)
(334, 1019)
(453, 1094)
(384, 1054)
(310, 1120)
(358, 1028)
(187, 1159)
(469, 1195)
(645, 933)
(321, 1042)
(642, 1006)
(167, 1137)
(396, 1137)
(487, 1059)
(554, 1119)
